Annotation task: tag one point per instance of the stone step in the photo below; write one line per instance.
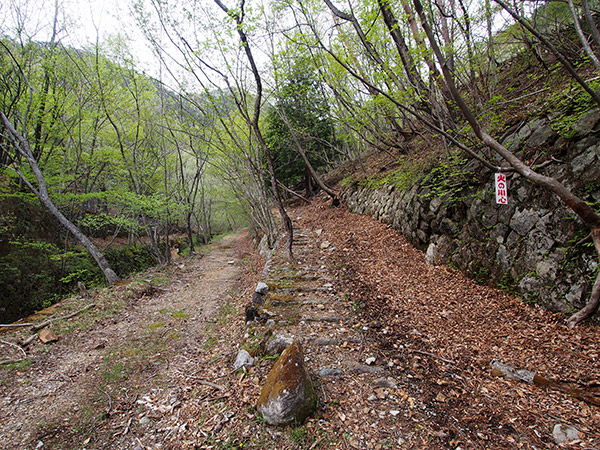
(326, 341)
(331, 319)
(282, 303)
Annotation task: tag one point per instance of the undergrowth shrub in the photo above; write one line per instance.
(450, 180)
(37, 274)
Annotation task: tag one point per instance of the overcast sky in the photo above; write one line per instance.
(81, 23)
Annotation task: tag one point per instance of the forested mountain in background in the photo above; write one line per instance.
(263, 97)
(123, 157)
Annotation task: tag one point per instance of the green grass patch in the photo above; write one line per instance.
(180, 315)
(114, 373)
(572, 102)
(410, 171)
(299, 435)
(18, 365)
(226, 312)
(210, 342)
(108, 306)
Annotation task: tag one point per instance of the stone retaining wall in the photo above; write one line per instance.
(530, 246)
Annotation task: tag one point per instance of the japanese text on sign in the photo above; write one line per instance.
(501, 189)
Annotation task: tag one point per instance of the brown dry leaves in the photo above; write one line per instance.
(428, 316)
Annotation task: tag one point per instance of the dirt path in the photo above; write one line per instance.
(400, 353)
(114, 376)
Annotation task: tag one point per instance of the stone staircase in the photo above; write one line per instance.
(354, 381)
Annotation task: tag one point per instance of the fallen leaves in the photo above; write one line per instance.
(47, 336)
(439, 325)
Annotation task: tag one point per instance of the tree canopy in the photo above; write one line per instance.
(301, 108)
(251, 97)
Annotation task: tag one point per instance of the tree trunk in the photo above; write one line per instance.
(110, 275)
(582, 38)
(592, 304)
(407, 60)
(307, 163)
(590, 21)
(21, 145)
(308, 188)
(579, 206)
(490, 45)
(564, 61)
(287, 222)
(190, 232)
(253, 122)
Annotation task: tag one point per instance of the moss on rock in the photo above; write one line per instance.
(288, 395)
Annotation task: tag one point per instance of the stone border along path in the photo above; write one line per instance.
(353, 382)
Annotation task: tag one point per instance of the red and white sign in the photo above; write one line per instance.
(501, 189)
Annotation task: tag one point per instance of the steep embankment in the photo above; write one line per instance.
(534, 246)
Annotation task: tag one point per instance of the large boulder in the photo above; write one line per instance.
(288, 397)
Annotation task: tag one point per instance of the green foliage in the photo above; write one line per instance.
(549, 17)
(495, 100)
(130, 259)
(347, 181)
(401, 179)
(102, 224)
(303, 107)
(579, 246)
(410, 171)
(76, 275)
(180, 315)
(572, 103)
(119, 153)
(226, 311)
(210, 342)
(356, 306)
(508, 285)
(299, 435)
(28, 275)
(36, 274)
(531, 298)
(114, 372)
(35, 271)
(481, 274)
(449, 180)
(18, 365)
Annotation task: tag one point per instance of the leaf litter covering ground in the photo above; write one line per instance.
(443, 330)
(170, 384)
(433, 333)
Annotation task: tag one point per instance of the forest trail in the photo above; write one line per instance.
(126, 357)
(401, 353)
